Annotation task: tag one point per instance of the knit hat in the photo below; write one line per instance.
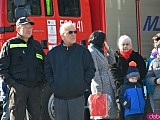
(97, 38)
(132, 70)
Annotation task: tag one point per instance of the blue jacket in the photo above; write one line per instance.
(131, 98)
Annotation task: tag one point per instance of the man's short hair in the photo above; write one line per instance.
(65, 26)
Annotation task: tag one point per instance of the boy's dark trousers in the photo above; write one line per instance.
(134, 117)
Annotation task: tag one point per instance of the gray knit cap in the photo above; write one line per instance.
(132, 70)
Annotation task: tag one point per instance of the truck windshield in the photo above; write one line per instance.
(69, 8)
(32, 7)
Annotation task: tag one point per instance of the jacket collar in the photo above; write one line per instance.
(67, 47)
(99, 53)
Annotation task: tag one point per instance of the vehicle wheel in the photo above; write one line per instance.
(1, 108)
(47, 104)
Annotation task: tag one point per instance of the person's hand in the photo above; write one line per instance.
(106, 45)
(99, 94)
(126, 104)
(158, 81)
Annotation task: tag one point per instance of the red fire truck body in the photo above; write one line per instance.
(47, 24)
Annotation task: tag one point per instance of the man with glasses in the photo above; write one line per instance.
(69, 68)
(21, 68)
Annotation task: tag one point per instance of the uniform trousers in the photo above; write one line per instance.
(23, 97)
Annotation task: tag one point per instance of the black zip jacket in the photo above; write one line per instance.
(69, 70)
(22, 62)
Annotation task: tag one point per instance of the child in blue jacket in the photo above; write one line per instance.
(131, 94)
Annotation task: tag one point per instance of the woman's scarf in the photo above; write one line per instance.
(126, 55)
(98, 48)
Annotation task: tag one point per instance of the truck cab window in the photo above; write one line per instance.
(69, 8)
(32, 7)
(48, 7)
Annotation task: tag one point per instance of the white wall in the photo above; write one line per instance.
(121, 19)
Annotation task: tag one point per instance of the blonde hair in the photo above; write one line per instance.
(156, 37)
(65, 26)
(124, 39)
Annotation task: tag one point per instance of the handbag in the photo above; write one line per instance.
(99, 106)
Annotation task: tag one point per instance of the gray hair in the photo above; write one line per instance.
(124, 39)
(65, 26)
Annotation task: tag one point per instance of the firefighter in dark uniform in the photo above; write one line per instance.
(21, 67)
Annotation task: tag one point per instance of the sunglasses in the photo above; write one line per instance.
(71, 32)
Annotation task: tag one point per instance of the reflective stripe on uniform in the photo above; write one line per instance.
(18, 45)
(39, 56)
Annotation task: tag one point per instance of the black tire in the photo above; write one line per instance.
(1, 108)
(47, 104)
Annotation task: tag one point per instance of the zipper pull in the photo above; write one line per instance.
(23, 52)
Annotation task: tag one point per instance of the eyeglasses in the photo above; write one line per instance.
(28, 28)
(71, 32)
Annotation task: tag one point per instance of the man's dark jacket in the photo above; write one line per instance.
(69, 70)
(22, 62)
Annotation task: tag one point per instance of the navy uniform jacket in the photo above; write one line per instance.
(22, 62)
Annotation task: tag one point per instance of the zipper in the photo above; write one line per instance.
(138, 98)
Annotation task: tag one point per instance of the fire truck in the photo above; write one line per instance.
(137, 18)
(48, 15)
